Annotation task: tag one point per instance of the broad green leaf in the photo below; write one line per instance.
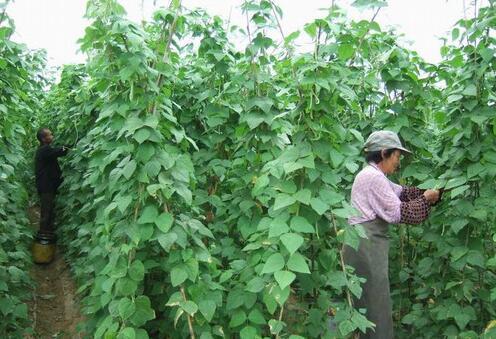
(336, 158)
(470, 90)
(455, 182)
(127, 333)
(248, 332)
(238, 318)
(126, 286)
(300, 224)
(459, 190)
(167, 240)
(178, 276)
(284, 278)
(319, 206)
(303, 196)
(129, 169)
(164, 222)
(255, 285)
(458, 225)
(454, 97)
(149, 215)
(126, 308)
(143, 312)
(274, 263)
(260, 184)
(141, 135)
(207, 309)
(137, 270)
(283, 200)
(346, 51)
(275, 326)
(297, 263)
(292, 241)
(277, 227)
(257, 317)
(189, 307)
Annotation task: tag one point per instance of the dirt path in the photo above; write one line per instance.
(54, 308)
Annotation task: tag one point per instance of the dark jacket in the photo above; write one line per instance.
(47, 169)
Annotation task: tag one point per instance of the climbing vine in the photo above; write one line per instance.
(207, 189)
(20, 92)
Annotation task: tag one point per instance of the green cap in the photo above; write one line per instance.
(380, 140)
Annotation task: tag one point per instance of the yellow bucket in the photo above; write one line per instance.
(43, 252)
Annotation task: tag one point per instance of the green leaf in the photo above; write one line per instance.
(254, 120)
(207, 309)
(260, 184)
(126, 308)
(454, 97)
(263, 103)
(129, 169)
(283, 200)
(141, 334)
(273, 264)
(238, 318)
(455, 182)
(346, 327)
(126, 286)
(275, 326)
(256, 317)
(123, 203)
(137, 270)
(248, 332)
(319, 206)
(284, 278)
(141, 135)
(127, 333)
(189, 307)
(470, 90)
(255, 285)
(336, 158)
(462, 319)
(365, 4)
(149, 215)
(300, 224)
(178, 276)
(297, 263)
(458, 225)
(459, 190)
(346, 51)
(303, 196)
(143, 313)
(167, 240)
(164, 222)
(277, 227)
(292, 241)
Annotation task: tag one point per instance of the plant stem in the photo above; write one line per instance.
(280, 318)
(190, 321)
(343, 266)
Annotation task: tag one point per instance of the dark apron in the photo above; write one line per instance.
(371, 262)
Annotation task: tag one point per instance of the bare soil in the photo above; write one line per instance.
(54, 309)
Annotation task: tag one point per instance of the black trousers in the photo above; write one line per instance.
(47, 202)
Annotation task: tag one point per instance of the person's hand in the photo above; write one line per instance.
(432, 196)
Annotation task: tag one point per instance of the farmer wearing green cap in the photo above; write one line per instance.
(380, 203)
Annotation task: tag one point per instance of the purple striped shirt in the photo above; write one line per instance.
(375, 196)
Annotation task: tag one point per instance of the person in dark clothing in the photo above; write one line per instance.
(48, 179)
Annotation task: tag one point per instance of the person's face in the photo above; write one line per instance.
(48, 137)
(391, 164)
